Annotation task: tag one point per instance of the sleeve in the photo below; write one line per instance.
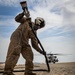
(19, 18)
(34, 42)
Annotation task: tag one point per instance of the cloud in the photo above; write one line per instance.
(3, 48)
(8, 2)
(52, 10)
(69, 17)
(5, 31)
(59, 44)
(7, 26)
(7, 20)
(65, 31)
(70, 5)
(59, 32)
(59, 15)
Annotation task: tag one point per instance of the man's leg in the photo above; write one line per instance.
(28, 55)
(12, 58)
(13, 54)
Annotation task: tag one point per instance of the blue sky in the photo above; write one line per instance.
(58, 36)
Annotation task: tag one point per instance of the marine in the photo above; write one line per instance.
(19, 43)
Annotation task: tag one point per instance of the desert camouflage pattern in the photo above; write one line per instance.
(19, 43)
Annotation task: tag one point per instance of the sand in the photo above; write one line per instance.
(56, 69)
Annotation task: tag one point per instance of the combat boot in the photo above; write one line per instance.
(10, 73)
(30, 73)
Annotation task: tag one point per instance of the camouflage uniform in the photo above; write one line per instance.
(19, 43)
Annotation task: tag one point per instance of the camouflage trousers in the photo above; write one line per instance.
(13, 54)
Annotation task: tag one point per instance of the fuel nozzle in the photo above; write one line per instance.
(25, 8)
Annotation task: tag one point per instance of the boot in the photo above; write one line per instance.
(8, 73)
(30, 73)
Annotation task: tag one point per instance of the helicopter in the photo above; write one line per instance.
(52, 58)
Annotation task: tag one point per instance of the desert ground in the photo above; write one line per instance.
(55, 69)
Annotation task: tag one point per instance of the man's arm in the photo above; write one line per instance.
(34, 42)
(19, 18)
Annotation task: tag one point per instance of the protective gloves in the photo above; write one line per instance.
(43, 52)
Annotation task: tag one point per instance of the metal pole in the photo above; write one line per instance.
(40, 70)
(42, 49)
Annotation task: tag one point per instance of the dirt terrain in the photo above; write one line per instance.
(56, 69)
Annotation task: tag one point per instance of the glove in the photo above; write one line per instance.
(43, 52)
(27, 14)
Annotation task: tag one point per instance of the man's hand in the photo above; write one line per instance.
(27, 14)
(43, 52)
